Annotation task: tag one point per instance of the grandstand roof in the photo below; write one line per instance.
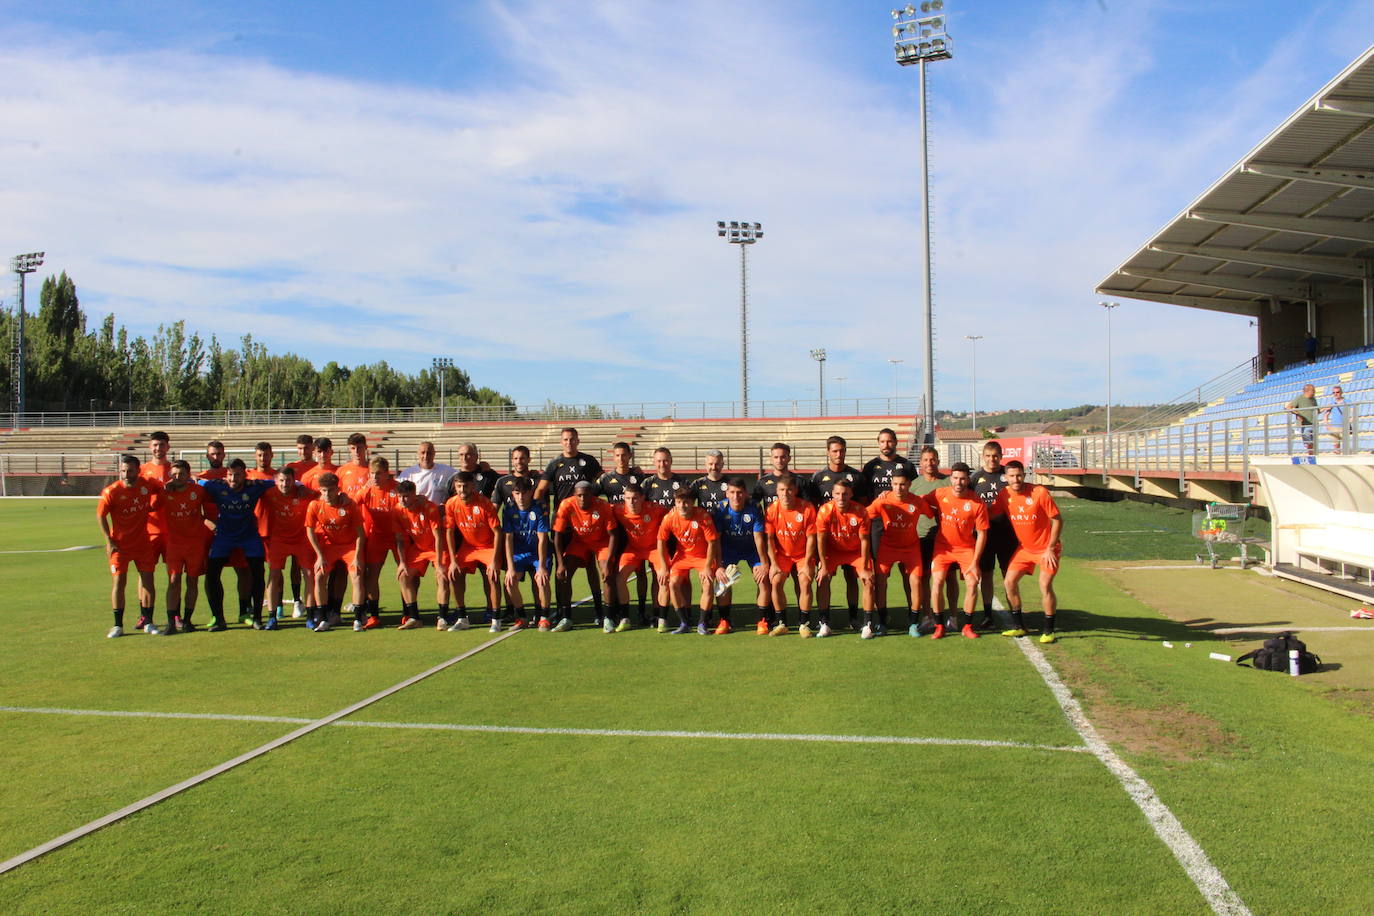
(1293, 220)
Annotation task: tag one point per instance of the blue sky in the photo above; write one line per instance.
(531, 187)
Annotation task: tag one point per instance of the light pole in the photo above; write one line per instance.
(895, 363)
(975, 338)
(21, 264)
(1107, 454)
(839, 386)
(743, 234)
(441, 366)
(919, 36)
(819, 356)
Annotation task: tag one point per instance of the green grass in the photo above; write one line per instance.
(374, 820)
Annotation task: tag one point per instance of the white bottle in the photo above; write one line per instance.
(1293, 662)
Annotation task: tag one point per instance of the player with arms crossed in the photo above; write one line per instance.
(334, 527)
(1038, 525)
(743, 539)
(791, 526)
(525, 529)
(822, 484)
(843, 541)
(378, 502)
(519, 470)
(959, 541)
(898, 511)
(419, 527)
(988, 481)
(697, 549)
(304, 463)
(877, 474)
(123, 511)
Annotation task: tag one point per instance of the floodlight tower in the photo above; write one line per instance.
(919, 36)
(21, 264)
(743, 234)
(441, 366)
(819, 356)
(1107, 454)
(895, 363)
(975, 338)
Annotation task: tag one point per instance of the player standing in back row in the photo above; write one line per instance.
(988, 481)
(560, 478)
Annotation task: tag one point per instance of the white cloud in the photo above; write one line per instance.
(243, 196)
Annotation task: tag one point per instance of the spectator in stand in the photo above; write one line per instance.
(1269, 360)
(1304, 407)
(1309, 347)
(1336, 418)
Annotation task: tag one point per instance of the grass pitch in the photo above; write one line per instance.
(407, 813)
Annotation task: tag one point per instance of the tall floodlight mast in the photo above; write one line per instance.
(743, 234)
(919, 36)
(21, 264)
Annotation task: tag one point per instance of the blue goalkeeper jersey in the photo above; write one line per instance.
(737, 531)
(525, 526)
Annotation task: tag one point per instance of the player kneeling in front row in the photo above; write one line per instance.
(634, 546)
(1035, 519)
(419, 526)
(123, 512)
(334, 527)
(790, 522)
(743, 539)
(959, 541)
(900, 545)
(582, 540)
(697, 549)
(472, 526)
(843, 539)
(525, 529)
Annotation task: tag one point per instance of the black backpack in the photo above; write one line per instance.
(1273, 655)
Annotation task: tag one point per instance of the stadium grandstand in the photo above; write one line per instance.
(1285, 237)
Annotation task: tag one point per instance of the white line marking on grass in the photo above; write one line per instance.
(214, 771)
(54, 550)
(726, 736)
(1293, 628)
(581, 732)
(1173, 566)
(1132, 531)
(1205, 876)
(129, 714)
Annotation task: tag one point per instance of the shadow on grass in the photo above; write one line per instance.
(1078, 623)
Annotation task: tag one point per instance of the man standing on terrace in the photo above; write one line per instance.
(1304, 407)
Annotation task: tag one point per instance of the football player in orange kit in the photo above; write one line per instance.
(959, 541)
(1035, 519)
(698, 549)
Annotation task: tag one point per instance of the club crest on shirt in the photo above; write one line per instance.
(695, 525)
(853, 522)
(533, 515)
(582, 462)
(748, 518)
(596, 515)
(799, 516)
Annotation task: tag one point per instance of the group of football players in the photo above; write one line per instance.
(329, 530)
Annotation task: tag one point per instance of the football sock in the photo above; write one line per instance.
(119, 617)
(1049, 623)
(701, 617)
(868, 618)
(811, 617)
(726, 611)
(825, 616)
(1016, 615)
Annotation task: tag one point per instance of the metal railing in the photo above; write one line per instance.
(1218, 444)
(376, 416)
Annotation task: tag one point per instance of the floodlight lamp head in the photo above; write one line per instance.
(818, 354)
(26, 263)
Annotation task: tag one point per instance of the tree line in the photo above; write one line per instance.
(70, 367)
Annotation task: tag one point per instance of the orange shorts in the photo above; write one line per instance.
(470, 557)
(1026, 560)
(159, 542)
(960, 557)
(631, 559)
(334, 554)
(681, 567)
(889, 557)
(188, 559)
(785, 564)
(279, 552)
(141, 553)
(417, 561)
(377, 546)
(837, 558)
(583, 552)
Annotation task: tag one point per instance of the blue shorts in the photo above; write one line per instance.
(731, 558)
(251, 548)
(528, 563)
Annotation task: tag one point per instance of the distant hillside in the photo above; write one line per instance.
(1085, 418)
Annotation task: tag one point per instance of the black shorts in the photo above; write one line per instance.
(1000, 546)
(927, 551)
